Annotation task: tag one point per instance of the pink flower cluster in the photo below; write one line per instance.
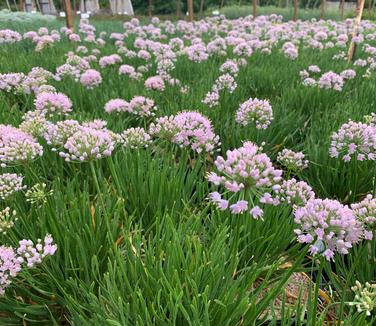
(155, 83)
(91, 78)
(257, 111)
(53, 104)
(365, 212)
(139, 105)
(187, 129)
(328, 226)
(292, 161)
(88, 144)
(354, 139)
(16, 146)
(135, 138)
(109, 60)
(11, 260)
(10, 183)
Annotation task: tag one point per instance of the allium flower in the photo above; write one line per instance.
(34, 123)
(135, 138)
(33, 254)
(348, 74)
(126, 70)
(37, 194)
(229, 67)
(354, 139)
(331, 80)
(290, 51)
(328, 226)
(239, 207)
(9, 36)
(216, 198)
(365, 212)
(257, 212)
(309, 82)
(57, 134)
(225, 82)
(211, 99)
(365, 297)
(7, 219)
(16, 146)
(10, 183)
(187, 129)
(245, 167)
(254, 110)
(51, 104)
(109, 60)
(91, 78)
(142, 106)
(9, 267)
(116, 105)
(295, 193)
(314, 69)
(88, 144)
(155, 83)
(293, 161)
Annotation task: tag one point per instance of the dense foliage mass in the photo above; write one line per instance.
(219, 172)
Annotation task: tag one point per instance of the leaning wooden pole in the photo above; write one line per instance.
(358, 18)
(190, 10)
(150, 8)
(68, 14)
(296, 3)
(322, 11)
(254, 8)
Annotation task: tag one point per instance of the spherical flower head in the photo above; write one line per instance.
(292, 161)
(328, 226)
(164, 128)
(53, 104)
(155, 83)
(365, 212)
(109, 60)
(126, 70)
(34, 123)
(331, 80)
(31, 254)
(9, 267)
(295, 193)
(57, 134)
(117, 105)
(211, 99)
(246, 168)
(257, 111)
(354, 140)
(142, 106)
(88, 144)
(225, 82)
(91, 78)
(10, 183)
(135, 138)
(7, 219)
(195, 131)
(17, 146)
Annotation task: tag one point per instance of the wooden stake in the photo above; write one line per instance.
(22, 5)
(254, 8)
(150, 8)
(342, 7)
(296, 2)
(322, 13)
(68, 14)
(190, 10)
(202, 8)
(178, 9)
(358, 18)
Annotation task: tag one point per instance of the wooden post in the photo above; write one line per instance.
(202, 8)
(21, 6)
(68, 14)
(296, 2)
(369, 8)
(178, 9)
(150, 8)
(342, 7)
(322, 13)
(190, 10)
(222, 3)
(254, 8)
(358, 18)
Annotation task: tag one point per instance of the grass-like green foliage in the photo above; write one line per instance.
(138, 243)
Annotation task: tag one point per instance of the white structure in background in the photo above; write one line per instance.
(29, 5)
(89, 6)
(121, 6)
